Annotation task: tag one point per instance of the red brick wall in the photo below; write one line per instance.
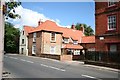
(30, 42)
(88, 46)
(38, 43)
(102, 11)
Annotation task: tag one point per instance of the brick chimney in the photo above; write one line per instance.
(73, 27)
(40, 22)
(82, 28)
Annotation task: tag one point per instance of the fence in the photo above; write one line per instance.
(109, 57)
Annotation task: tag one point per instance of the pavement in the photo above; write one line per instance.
(36, 67)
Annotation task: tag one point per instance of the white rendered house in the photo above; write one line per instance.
(23, 42)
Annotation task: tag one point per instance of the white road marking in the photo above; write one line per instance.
(30, 61)
(88, 76)
(26, 61)
(13, 58)
(22, 60)
(53, 67)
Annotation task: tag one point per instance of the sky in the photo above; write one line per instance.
(63, 13)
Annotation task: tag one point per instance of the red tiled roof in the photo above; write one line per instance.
(88, 39)
(47, 26)
(67, 32)
(72, 46)
(27, 29)
(74, 34)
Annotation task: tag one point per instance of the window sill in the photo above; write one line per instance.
(111, 30)
(112, 6)
(53, 41)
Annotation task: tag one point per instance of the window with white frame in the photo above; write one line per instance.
(34, 49)
(34, 37)
(53, 37)
(112, 22)
(52, 49)
(75, 42)
(22, 41)
(66, 40)
(76, 52)
(111, 2)
(23, 32)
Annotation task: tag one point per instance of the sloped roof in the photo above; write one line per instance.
(88, 39)
(72, 46)
(73, 34)
(67, 32)
(47, 26)
(27, 29)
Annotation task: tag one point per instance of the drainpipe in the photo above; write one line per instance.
(1, 36)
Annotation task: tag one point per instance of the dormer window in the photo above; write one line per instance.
(66, 40)
(75, 42)
(111, 2)
(53, 37)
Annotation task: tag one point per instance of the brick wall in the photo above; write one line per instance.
(38, 43)
(30, 42)
(47, 43)
(88, 45)
(102, 11)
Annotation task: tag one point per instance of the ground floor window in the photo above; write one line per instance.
(34, 49)
(52, 49)
(22, 49)
(76, 52)
(113, 47)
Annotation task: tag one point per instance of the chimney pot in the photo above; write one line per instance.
(40, 22)
(73, 27)
(82, 28)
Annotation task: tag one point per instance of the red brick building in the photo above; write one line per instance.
(107, 16)
(88, 43)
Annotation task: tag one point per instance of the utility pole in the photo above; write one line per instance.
(1, 37)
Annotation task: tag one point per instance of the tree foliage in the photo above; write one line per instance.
(11, 43)
(88, 31)
(10, 9)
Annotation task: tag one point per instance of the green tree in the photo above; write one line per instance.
(11, 43)
(88, 31)
(9, 10)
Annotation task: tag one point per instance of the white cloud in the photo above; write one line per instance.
(30, 18)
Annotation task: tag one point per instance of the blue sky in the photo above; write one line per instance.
(65, 13)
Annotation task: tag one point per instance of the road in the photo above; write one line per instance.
(35, 67)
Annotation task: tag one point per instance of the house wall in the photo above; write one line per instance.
(38, 43)
(43, 43)
(25, 45)
(30, 43)
(46, 43)
(89, 46)
(102, 11)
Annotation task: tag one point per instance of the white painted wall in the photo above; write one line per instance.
(25, 45)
